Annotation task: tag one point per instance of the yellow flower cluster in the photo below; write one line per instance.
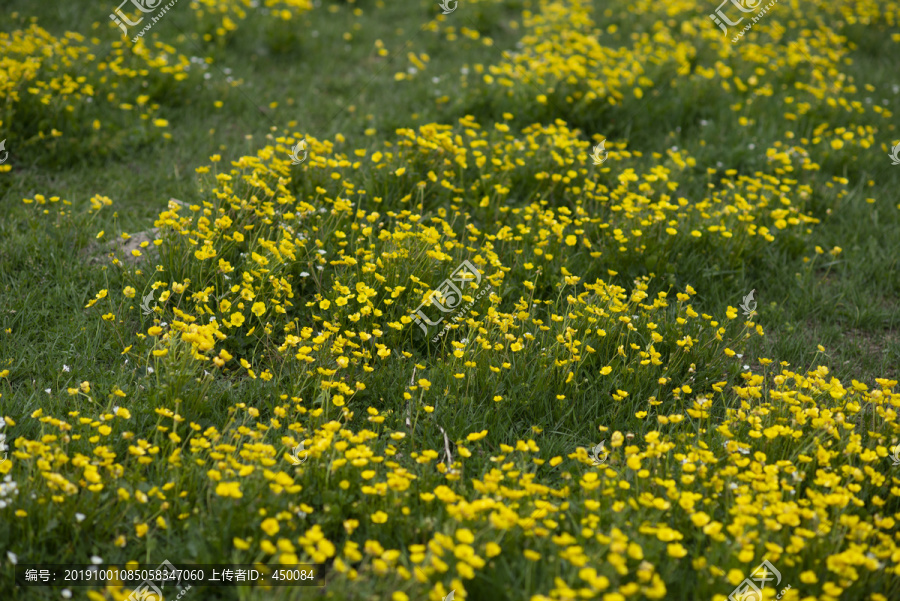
(286, 302)
(74, 87)
(221, 17)
(796, 469)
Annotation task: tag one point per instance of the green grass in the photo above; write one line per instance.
(849, 304)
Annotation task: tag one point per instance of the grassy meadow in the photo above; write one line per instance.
(551, 300)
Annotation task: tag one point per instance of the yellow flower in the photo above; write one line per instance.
(270, 526)
(464, 535)
(229, 489)
(141, 530)
(700, 519)
(240, 543)
(258, 309)
(379, 517)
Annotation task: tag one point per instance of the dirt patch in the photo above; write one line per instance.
(103, 252)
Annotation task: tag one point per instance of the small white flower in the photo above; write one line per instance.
(13, 558)
(47, 391)
(80, 517)
(319, 267)
(751, 146)
(412, 70)
(321, 251)
(435, 79)
(66, 593)
(739, 356)
(66, 368)
(207, 75)
(733, 486)
(464, 70)
(704, 122)
(304, 274)
(149, 370)
(96, 560)
(746, 367)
